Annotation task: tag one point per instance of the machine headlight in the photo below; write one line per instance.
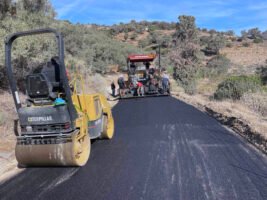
(29, 128)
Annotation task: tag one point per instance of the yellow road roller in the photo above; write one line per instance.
(56, 122)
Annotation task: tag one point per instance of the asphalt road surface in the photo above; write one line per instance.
(163, 149)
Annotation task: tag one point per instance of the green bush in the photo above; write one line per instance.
(229, 45)
(234, 87)
(246, 44)
(258, 40)
(186, 78)
(215, 43)
(186, 56)
(133, 36)
(217, 65)
(126, 35)
(94, 49)
(262, 72)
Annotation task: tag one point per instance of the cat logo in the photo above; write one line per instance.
(40, 119)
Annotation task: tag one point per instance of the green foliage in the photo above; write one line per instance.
(229, 45)
(234, 87)
(186, 78)
(186, 55)
(258, 40)
(133, 36)
(262, 72)
(126, 35)
(204, 40)
(88, 47)
(230, 33)
(246, 44)
(140, 27)
(156, 38)
(215, 43)
(186, 29)
(217, 66)
(253, 33)
(5, 6)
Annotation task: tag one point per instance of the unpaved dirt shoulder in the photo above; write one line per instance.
(227, 118)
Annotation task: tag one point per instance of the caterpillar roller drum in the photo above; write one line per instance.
(56, 122)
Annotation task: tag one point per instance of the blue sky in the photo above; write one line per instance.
(218, 14)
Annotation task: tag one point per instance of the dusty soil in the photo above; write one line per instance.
(7, 137)
(246, 59)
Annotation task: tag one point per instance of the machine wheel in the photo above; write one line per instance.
(81, 150)
(108, 128)
(72, 153)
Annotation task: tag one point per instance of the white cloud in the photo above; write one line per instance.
(259, 6)
(63, 11)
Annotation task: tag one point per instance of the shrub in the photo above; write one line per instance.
(246, 44)
(133, 36)
(95, 49)
(229, 45)
(258, 40)
(204, 40)
(215, 43)
(254, 33)
(230, 33)
(234, 87)
(262, 72)
(217, 65)
(186, 55)
(186, 29)
(126, 35)
(186, 78)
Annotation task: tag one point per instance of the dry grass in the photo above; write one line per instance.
(207, 87)
(7, 137)
(256, 102)
(8, 115)
(241, 56)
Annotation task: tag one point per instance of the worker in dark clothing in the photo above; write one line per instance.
(113, 88)
(132, 68)
(147, 64)
(121, 84)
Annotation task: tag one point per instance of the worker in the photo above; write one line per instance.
(147, 64)
(140, 89)
(121, 84)
(165, 82)
(132, 68)
(113, 89)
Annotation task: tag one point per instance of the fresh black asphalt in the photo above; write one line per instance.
(162, 149)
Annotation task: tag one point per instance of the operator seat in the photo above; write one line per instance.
(45, 83)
